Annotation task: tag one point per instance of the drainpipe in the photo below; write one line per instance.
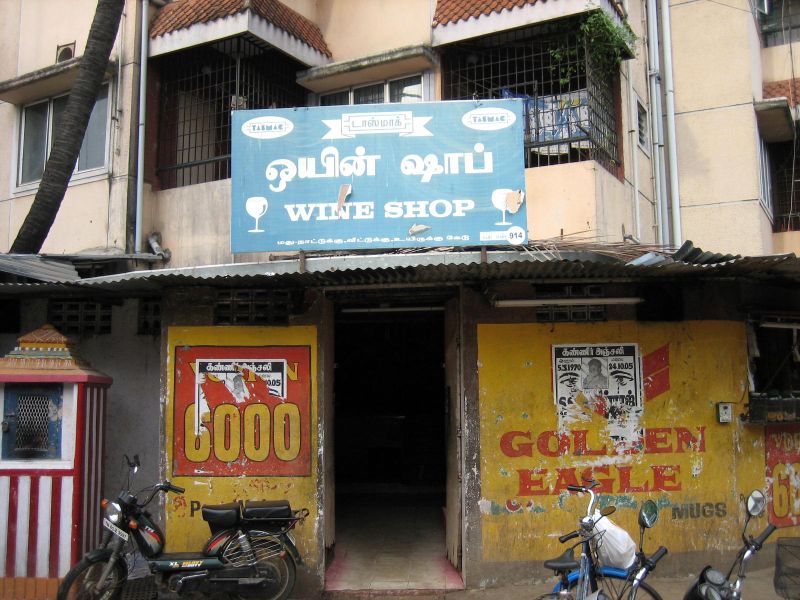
(144, 29)
(674, 196)
(656, 123)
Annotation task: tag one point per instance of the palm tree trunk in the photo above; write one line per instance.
(68, 138)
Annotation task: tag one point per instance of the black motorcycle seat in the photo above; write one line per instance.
(565, 562)
(257, 510)
(223, 515)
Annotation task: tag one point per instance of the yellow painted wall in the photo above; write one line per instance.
(186, 532)
(705, 476)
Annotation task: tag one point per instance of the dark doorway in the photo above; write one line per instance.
(390, 403)
(390, 454)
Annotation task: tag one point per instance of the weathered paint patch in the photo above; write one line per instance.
(666, 461)
(782, 443)
(697, 466)
(184, 526)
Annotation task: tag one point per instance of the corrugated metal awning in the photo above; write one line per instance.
(453, 267)
(442, 266)
(38, 268)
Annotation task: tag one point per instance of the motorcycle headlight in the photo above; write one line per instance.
(709, 592)
(113, 512)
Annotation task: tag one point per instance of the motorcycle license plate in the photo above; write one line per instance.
(115, 530)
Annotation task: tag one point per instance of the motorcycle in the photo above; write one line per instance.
(250, 553)
(713, 584)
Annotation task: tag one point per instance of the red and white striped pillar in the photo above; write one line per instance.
(50, 507)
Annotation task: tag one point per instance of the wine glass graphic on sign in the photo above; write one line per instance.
(256, 207)
(499, 201)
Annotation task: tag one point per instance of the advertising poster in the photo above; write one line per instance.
(242, 411)
(782, 443)
(378, 176)
(599, 379)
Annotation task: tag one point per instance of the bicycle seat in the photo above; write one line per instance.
(565, 562)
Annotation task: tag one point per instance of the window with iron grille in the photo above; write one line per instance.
(32, 418)
(569, 104)
(253, 307)
(81, 317)
(782, 172)
(31, 425)
(149, 317)
(780, 24)
(199, 88)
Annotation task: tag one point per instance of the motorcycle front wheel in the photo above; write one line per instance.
(615, 586)
(280, 573)
(82, 581)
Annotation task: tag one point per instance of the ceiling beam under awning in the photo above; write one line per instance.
(774, 118)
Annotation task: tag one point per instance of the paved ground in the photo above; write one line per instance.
(758, 586)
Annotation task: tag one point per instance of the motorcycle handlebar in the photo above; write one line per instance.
(168, 487)
(759, 541)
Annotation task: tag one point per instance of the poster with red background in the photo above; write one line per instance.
(242, 410)
(782, 444)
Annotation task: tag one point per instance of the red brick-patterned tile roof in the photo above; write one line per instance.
(787, 88)
(452, 11)
(181, 14)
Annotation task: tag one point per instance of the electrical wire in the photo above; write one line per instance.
(794, 128)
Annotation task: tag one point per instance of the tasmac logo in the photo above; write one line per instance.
(267, 128)
(488, 118)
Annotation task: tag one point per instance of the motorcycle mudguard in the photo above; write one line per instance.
(604, 571)
(292, 549)
(216, 543)
(98, 554)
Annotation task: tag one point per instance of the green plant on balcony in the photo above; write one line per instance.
(608, 43)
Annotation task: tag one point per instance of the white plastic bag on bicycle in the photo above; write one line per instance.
(616, 547)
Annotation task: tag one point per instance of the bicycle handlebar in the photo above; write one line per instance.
(568, 536)
(655, 557)
(583, 488)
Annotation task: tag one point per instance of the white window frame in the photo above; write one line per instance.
(350, 90)
(77, 176)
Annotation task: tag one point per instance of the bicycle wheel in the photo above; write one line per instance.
(82, 582)
(619, 587)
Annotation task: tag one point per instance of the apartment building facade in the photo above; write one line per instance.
(434, 372)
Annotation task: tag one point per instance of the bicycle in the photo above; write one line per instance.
(586, 578)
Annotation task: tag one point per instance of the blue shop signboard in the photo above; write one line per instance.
(378, 176)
